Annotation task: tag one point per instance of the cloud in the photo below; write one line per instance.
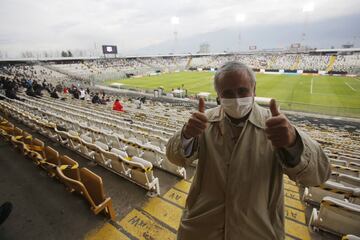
(70, 24)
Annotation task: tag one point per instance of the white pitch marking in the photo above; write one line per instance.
(311, 87)
(351, 87)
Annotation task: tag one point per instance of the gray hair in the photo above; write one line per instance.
(230, 67)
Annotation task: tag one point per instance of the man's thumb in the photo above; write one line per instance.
(201, 105)
(274, 108)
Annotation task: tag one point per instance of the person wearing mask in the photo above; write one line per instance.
(243, 150)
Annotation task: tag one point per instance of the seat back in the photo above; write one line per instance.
(41, 146)
(52, 156)
(17, 131)
(27, 137)
(339, 216)
(94, 185)
(355, 165)
(72, 173)
(349, 181)
(132, 150)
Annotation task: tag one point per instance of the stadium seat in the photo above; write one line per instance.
(69, 167)
(345, 170)
(91, 187)
(51, 160)
(62, 136)
(74, 141)
(336, 216)
(338, 162)
(349, 181)
(141, 172)
(36, 150)
(354, 165)
(350, 237)
(314, 195)
(350, 159)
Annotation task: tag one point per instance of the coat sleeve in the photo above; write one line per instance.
(313, 166)
(175, 152)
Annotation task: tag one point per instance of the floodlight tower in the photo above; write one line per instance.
(307, 9)
(240, 19)
(175, 21)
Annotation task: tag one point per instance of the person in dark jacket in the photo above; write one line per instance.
(96, 99)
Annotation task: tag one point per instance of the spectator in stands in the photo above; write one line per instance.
(54, 94)
(30, 92)
(37, 88)
(243, 150)
(11, 88)
(75, 94)
(96, 99)
(5, 211)
(117, 106)
(82, 94)
(138, 103)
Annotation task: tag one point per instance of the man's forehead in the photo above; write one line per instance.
(235, 76)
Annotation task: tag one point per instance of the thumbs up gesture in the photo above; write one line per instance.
(197, 122)
(279, 129)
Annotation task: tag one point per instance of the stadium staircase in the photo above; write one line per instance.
(188, 63)
(296, 63)
(330, 66)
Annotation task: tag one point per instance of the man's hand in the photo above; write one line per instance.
(197, 122)
(278, 128)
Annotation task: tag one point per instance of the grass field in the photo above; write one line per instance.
(332, 95)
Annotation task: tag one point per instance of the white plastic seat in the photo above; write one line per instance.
(148, 165)
(336, 216)
(349, 181)
(122, 154)
(315, 195)
(338, 162)
(345, 170)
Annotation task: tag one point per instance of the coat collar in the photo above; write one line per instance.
(257, 116)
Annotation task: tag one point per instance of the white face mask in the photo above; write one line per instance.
(237, 107)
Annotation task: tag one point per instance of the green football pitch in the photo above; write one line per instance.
(334, 95)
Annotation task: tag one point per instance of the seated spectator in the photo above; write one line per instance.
(103, 100)
(96, 99)
(117, 106)
(76, 94)
(54, 94)
(37, 88)
(30, 92)
(82, 94)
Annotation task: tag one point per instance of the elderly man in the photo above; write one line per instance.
(243, 151)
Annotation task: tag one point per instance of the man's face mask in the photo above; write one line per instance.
(237, 107)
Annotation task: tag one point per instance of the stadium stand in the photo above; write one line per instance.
(66, 170)
(131, 144)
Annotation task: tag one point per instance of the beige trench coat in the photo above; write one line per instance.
(237, 193)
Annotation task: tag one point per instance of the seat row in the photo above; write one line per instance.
(122, 126)
(156, 129)
(112, 140)
(134, 169)
(66, 170)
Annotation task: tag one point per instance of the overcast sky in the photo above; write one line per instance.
(136, 24)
